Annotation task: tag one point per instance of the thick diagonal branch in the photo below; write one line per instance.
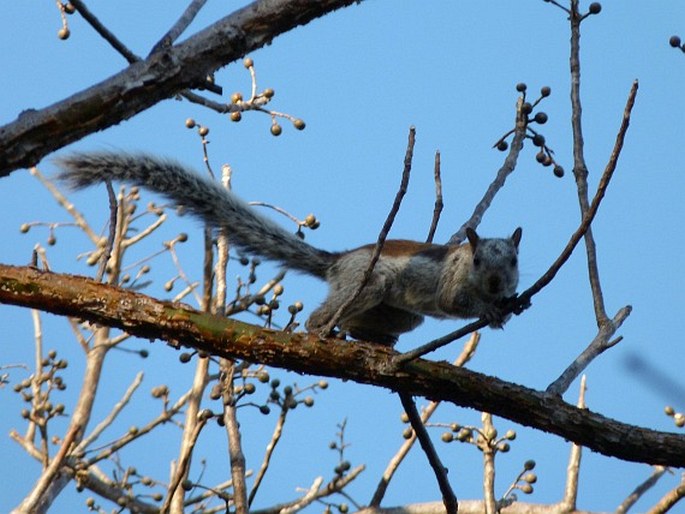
(365, 363)
(36, 133)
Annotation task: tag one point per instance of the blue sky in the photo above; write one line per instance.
(359, 78)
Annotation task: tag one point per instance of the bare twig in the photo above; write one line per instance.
(580, 171)
(466, 354)
(36, 497)
(235, 451)
(180, 26)
(437, 209)
(275, 438)
(507, 168)
(182, 465)
(109, 419)
(657, 473)
(383, 234)
(573, 469)
(104, 32)
(64, 202)
(669, 499)
(488, 451)
(599, 344)
(448, 496)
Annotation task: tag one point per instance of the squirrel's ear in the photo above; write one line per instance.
(516, 236)
(472, 237)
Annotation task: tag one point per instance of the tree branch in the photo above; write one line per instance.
(36, 133)
(361, 362)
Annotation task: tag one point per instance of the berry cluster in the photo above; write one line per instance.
(545, 155)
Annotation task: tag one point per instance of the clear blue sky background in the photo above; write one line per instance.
(359, 78)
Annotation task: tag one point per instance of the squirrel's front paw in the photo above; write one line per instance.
(495, 317)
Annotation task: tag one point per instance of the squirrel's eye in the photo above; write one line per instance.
(476, 261)
(513, 262)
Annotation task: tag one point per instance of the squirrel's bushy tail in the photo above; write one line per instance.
(201, 196)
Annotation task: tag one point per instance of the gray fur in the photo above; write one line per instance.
(410, 280)
(201, 196)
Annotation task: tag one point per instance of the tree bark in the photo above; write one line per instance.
(361, 362)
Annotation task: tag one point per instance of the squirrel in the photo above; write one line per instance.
(409, 281)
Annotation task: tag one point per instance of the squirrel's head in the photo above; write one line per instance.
(495, 264)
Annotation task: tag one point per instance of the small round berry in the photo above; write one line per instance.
(190, 123)
(526, 108)
(674, 41)
(264, 409)
(521, 87)
(236, 116)
(185, 357)
(545, 91)
(679, 420)
(540, 157)
(407, 433)
(203, 131)
(526, 488)
(182, 237)
(511, 435)
(447, 437)
(278, 289)
(276, 129)
(323, 384)
(299, 124)
(24, 228)
(502, 146)
(595, 8)
(52, 240)
(531, 478)
(548, 161)
(529, 464)
(275, 383)
(669, 411)
(558, 171)
(248, 62)
(69, 8)
(308, 401)
(538, 140)
(269, 93)
(236, 98)
(63, 33)
(133, 430)
(540, 118)
(309, 220)
(90, 503)
(187, 485)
